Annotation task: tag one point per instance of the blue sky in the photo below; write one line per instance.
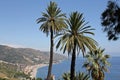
(18, 26)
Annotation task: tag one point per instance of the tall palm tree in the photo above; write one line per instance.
(73, 38)
(52, 22)
(96, 64)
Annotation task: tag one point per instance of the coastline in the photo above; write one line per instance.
(32, 70)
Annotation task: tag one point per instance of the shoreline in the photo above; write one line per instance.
(32, 70)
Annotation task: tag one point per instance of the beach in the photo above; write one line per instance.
(32, 70)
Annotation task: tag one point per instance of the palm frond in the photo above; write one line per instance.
(98, 62)
(82, 76)
(52, 18)
(42, 19)
(76, 30)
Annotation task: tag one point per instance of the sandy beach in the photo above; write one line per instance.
(33, 69)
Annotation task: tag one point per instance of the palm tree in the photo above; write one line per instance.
(66, 76)
(79, 76)
(73, 38)
(52, 22)
(82, 76)
(96, 64)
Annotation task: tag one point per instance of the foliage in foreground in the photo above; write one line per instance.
(96, 64)
(111, 20)
(3, 79)
(11, 71)
(79, 76)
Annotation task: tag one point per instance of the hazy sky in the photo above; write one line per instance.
(18, 26)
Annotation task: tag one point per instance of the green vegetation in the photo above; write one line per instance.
(14, 60)
(73, 38)
(8, 69)
(96, 64)
(82, 76)
(111, 20)
(66, 76)
(10, 72)
(26, 56)
(52, 22)
(79, 76)
(72, 34)
(4, 79)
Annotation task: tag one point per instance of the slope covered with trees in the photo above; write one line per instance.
(26, 56)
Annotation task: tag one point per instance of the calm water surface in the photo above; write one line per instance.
(64, 66)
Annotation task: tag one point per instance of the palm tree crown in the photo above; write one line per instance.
(75, 33)
(52, 19)
(78, 76)
(97, 63)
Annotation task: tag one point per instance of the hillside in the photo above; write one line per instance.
(26, 56)
(10, 71)
(14, 60)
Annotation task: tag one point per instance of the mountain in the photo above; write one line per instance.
(26, 56)
(13, 61)
(9, 71)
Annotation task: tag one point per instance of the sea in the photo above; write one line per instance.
(64, 66)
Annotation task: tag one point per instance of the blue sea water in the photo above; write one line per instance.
(64, 66)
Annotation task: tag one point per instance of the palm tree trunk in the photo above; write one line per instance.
(72, 73)
(51, 55)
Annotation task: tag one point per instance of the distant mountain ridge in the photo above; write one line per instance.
(26, 56)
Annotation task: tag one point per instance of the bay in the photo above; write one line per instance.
(64, 66)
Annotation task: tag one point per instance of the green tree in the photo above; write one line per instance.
(96, 64)
(79, 76)
(73, 38)
(82, 76)
(66, 76)
(52, 22)
(110, 20)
